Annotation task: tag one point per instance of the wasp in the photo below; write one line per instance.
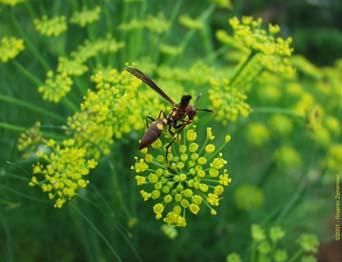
(181, 114)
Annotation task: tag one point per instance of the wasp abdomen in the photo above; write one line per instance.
(153, 133)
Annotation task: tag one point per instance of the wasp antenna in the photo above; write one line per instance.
(198, 98)
(205, 110)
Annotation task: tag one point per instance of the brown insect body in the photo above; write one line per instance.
(153, 133)
(181, 114)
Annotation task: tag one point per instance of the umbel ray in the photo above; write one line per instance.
(181, 115)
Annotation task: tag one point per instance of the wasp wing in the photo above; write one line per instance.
(137, 73)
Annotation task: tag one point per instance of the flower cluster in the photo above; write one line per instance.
(155, 23)
(333, 160)
(55, 86)
(190, 23)
(30, 141)
(59, 83)
(287, 157)
(71, 67)
(198, 73)
(228, 102)
(10, 47)
(192, 175)
(249, 33)
(116, 108)
(53, 26)
(89, 49)
(12, 2)
(86, 16)
(62, 170)
(249, 197)
(170, 50)
(223, 3)
(257, 134)
(268, 246)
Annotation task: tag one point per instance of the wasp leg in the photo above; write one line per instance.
(168, 147)
(170, 131)
(147, 118)
(180, 128)
(161, 113)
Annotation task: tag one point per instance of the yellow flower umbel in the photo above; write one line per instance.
(117, 106)
(12, 2)
(156, 23)
(55, 87)
(30, 141)
(271, 50)
(71, 67)
(51, 26)
(10, 47)
(249, 33)
(89, 49)
(86, 16)
(287, 157)
(227, 102)
(249, 197)
(62, 170)
(190, 23)
(257, 134)
(193, 175)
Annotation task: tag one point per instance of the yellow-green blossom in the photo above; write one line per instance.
(53, 26)
(171, 50)
(333, 160)
(154, 23)
(223, 3)
(10, 47)
(12, 2)
(86, 16)
(30, 141)
(280, 125)
(89, 49)
(233, 257)
(249, 32)
(62, 170)
(191, 176)
(287, 157)
(115, 108)
(227, 102)
(249, 197)
(55, 87)
(308, 242)
(257, 134)
(169, 231)
(190, 23)
(71, 67)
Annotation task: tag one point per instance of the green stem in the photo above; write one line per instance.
(98, 232)
(296, 256)
(173, 16)
(293, 202)
(275, 110)
(203, 17)
(69, 104)
(216, 53)
(31, 107)
(36, 81)
(29, 44)
(12, 127)
(20, 129)
(117, 190)
(242, 66)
